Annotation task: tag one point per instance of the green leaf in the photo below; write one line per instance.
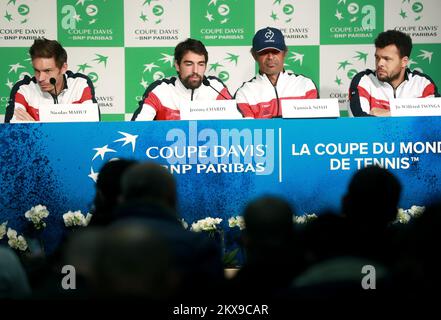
(229, 258)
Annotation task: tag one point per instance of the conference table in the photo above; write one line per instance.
(219, 165)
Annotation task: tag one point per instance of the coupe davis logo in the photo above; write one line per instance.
(202, 152)
(282, 11)
(218, 13)
(411, 10)
(16, 13)
(151, 12)
(356, 14)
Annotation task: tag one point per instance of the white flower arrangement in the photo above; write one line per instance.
(304, 218)
(236, 221)
(76, 219)
(16, 242)
(36, 215)
(207, 224)
(3, 229)
(404, 216)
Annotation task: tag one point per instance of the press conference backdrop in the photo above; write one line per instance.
(219, 166)
(124, 45)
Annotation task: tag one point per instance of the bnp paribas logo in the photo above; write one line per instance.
(347, 68)
(17, 12)
(294, 60)
(421, 60)
(152, 12)
(224, 66)
(156, 68)
(426, 58)
(282, 11)
(92, 66)
(17, 71)
(218, 11)
(303, 60)
(356, 14)
(15, 65)
(411, 10)
(124, 146)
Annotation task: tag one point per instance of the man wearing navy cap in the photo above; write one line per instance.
(261, 96)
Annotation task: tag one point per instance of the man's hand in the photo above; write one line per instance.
(22, 115)
(380, 112)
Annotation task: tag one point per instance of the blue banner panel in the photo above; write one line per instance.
(219, 165)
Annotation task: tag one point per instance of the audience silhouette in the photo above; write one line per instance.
(137, 248)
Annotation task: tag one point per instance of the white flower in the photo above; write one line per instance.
(11, 233)
(36, 215)
(16, 242)
(304, 218)
(76, 219)
(184, 223)
(3, 229)
(416, 211)
(300, 219)
(207, 224)
(237, 221)
(402, 216)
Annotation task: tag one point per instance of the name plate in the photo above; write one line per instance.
(84, 112)
(210, 110)
(415, 107)
(310, 108)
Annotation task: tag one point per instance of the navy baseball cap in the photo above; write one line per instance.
(269, 38)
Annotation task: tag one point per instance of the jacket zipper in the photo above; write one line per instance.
(278, 102)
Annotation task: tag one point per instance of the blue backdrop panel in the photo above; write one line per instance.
(219, 165)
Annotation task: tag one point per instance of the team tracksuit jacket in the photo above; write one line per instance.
(163, 98)
(27, 95)
(367, 92)
(258, 98)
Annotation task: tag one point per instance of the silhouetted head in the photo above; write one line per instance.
(268, 221)
(149, 182)
(133, 260)
(372, 197)
(108, 190)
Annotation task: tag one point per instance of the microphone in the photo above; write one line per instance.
(53, 81)
(206, 82)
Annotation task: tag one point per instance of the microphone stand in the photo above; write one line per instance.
(206, 82)
(53, 82)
